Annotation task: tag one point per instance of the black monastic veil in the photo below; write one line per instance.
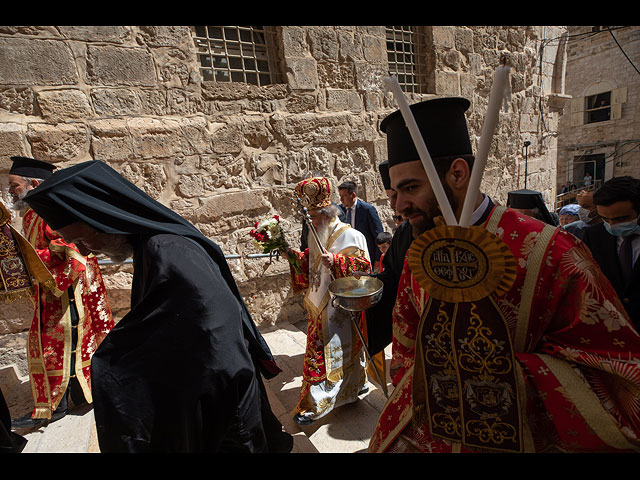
(181, 371)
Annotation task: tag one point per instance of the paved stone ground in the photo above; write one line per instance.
(345, 430)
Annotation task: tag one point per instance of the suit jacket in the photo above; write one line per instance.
(604, 249)
(368, 222)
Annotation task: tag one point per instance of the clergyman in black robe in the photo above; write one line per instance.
(181, 371)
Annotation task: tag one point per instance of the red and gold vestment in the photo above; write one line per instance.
(49, 346)
(561, 355)
(333, 371)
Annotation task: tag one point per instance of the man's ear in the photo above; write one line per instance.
(459, 174)
(34, 183)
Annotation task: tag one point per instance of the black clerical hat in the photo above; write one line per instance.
(441, 122)
(30, 167)
(526, 199)
(383, 168)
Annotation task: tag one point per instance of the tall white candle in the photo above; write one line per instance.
(498, 90)
(425, 157)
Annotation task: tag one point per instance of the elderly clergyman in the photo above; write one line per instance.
(333, 372)
(71, 315)
(181, 371)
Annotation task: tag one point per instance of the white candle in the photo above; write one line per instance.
(498, 90)
(427, 162)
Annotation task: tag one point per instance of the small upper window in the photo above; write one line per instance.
(406, 59)
(236, 54)
(598, 107)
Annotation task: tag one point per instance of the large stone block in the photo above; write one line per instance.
(60, 142)
(27, 61)
(119, 66)
(340, 100)
(17, 100)
(60, 105)
(233, 203)
(121, 101)
(302, 73)
(96, 33)
(11, 143)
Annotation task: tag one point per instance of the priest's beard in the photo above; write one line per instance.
(117, 248)
(323, 235)
(19, 205)
(432, 211)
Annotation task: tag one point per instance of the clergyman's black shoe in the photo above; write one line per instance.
(302, 420)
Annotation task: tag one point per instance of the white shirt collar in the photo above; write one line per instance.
(478, 212)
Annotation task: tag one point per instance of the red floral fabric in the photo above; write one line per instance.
(579, 355)
(49, 338)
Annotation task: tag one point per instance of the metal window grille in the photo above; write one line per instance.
(405, 59)
(236, 54)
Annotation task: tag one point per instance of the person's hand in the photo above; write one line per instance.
(327, 259)
(360, 273)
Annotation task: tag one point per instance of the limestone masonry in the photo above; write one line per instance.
(224, 155)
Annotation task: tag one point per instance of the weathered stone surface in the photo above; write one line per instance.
(60, 105)
(96, 33)
(224, 155)
(28, 61)
(60, 142)
(302, 73)
(11, 143)
(17, 100)
(118, 66)
(116, 102)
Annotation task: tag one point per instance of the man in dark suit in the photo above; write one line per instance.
(363, 217)
(615, 243)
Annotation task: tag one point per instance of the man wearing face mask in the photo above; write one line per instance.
(615, 243)
(587, 215)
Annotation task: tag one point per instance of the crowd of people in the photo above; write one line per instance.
(542, 354)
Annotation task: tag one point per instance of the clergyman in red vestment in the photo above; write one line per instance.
(334, 370)
(554, 367)
(71, 317)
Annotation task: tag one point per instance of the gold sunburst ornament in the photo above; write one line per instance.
(457, 264)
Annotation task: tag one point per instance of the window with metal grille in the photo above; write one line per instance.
(236, 54)
(405, 47)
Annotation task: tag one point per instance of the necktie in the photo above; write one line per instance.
(626, 256)
(349, 215)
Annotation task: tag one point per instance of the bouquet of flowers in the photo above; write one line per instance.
(268, 236)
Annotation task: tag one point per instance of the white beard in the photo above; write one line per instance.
(19, 205)
(323, 236)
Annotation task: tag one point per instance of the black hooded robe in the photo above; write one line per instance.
(181, 372)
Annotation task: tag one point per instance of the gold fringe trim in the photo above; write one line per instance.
(9, 297)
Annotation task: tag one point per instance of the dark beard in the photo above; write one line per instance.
(433, 210)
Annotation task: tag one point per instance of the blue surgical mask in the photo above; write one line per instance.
(623, 229)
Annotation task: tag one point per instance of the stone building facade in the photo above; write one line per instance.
(224, 154)
(599, 132)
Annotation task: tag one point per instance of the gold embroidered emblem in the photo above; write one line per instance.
(469, 381)
(458, 264)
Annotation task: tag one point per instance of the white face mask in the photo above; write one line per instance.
(583, 214)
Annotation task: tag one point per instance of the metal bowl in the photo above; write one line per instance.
(355, 294)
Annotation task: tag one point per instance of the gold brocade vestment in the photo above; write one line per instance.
(563, 359)
(49, 349)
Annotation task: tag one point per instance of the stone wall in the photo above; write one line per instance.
(225, 154)
(596, 62)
